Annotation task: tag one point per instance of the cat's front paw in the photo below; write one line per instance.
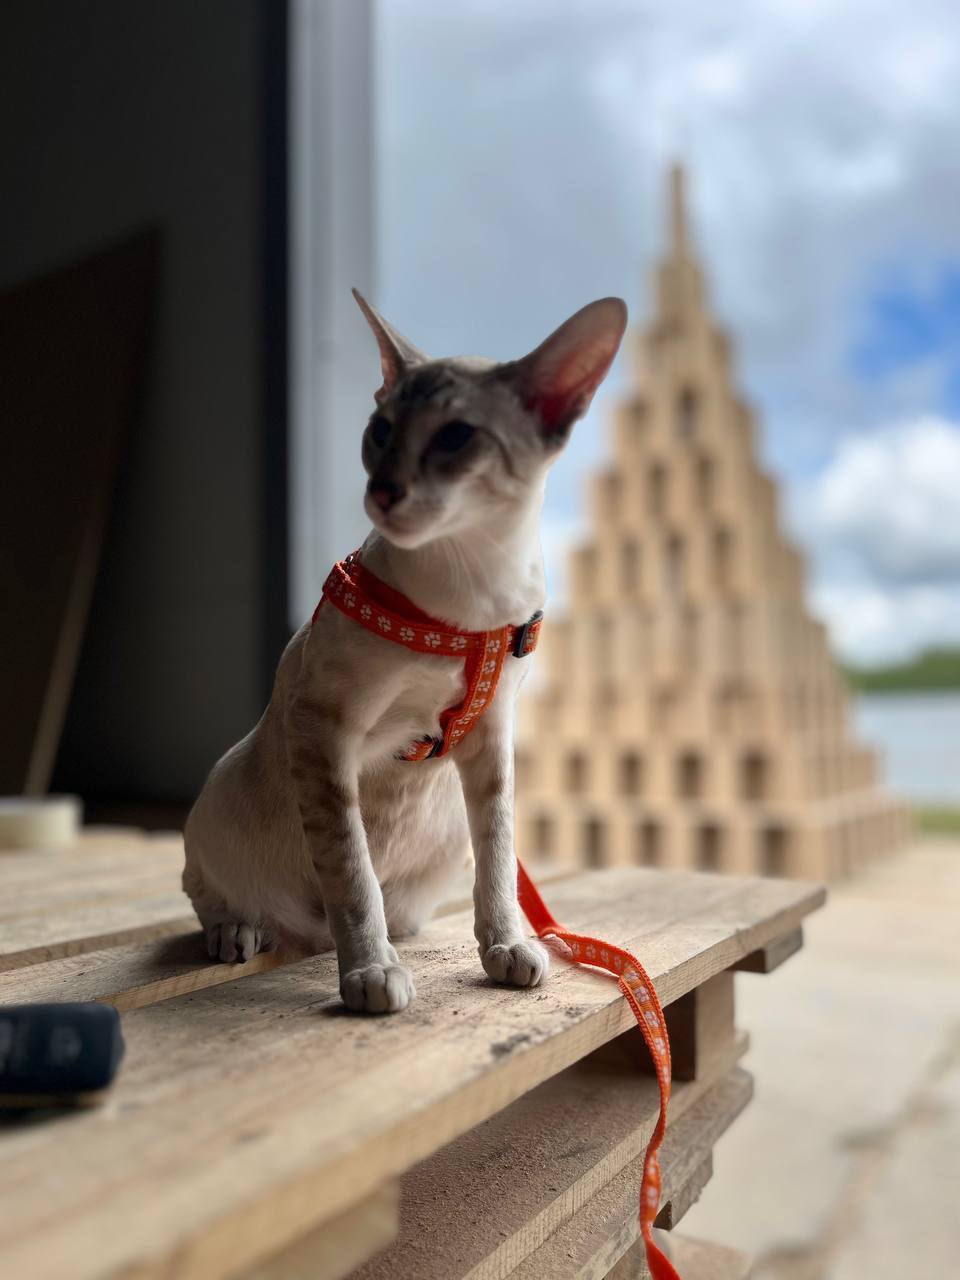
(378, 988)
(235, 942)
(521, 964)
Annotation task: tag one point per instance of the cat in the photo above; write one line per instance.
(311, 832)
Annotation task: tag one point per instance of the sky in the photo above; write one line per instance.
(522, 151)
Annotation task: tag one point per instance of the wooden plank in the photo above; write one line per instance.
(144, 972)
(701, 1027)
(107, 890)
(73, 879)
(699, 1260)
(590, 1245)
(97, 851)
(247, 1114)
(694, 1260)
(340, 1245)
(481, 1205)
(687, 1193)
(97, 926)
(771, 956)
(113, 890)
(41, 902)
(130, 976)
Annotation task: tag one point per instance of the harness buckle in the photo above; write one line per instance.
(409, 756)
(520, 639)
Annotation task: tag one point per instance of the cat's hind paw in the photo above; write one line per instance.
(234, 942)
(378, 988)
(521, 964)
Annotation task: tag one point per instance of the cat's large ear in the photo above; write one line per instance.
(557, 380)
(396, 353)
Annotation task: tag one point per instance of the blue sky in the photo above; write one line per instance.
(911, 322)
(522, 151)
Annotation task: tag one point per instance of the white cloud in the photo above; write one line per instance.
(872, 625)
(883, 521)
(892, 499)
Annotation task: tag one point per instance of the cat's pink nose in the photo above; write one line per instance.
(386, 494)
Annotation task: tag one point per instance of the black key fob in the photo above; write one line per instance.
(58, 1050)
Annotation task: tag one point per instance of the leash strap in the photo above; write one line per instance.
(641, 995)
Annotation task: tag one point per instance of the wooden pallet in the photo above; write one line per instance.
(110, 888)
(258, 1130)
(694, 1260)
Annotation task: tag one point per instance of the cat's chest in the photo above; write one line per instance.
(414, 713)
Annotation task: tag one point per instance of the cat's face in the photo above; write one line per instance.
(450, 448)
(463, 444)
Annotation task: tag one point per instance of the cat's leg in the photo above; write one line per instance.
(409, 903)
(227, 937)
(322, 753)
(485, 761)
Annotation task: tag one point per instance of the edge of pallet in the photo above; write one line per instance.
(554, 1148)
(773, 955)
(335, 1249)
(591, 1243)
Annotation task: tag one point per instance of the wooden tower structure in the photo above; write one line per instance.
(688, 711)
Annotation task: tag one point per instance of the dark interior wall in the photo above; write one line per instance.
(117, 114)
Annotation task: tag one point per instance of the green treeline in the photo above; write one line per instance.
(933, 669)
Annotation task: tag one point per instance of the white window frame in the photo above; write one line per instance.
(332, 247)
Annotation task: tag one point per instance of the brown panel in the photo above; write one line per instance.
(72, 354)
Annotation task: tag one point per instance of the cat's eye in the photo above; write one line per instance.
(452, 437)
(379, 431)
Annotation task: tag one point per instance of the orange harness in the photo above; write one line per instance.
(366, 599)
(371, 603)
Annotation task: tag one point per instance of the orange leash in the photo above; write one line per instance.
(641, 995)
(378, 608)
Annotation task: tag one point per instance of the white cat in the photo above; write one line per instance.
(311, 831)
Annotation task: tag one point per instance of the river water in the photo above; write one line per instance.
(919, 736)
